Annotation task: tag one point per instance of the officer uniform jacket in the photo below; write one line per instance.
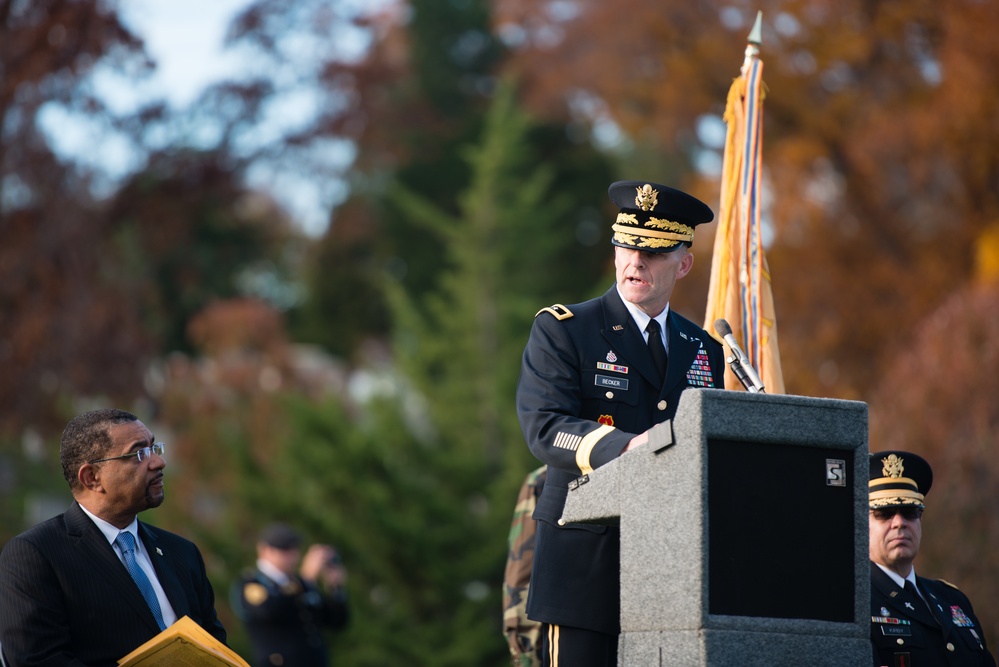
(588, 385)
(905, 632)
(67, 599)
(285, 622)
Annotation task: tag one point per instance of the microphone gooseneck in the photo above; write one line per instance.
(739, 362)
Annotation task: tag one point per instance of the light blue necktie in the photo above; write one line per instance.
(126, 543)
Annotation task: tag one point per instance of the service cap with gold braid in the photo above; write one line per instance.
(653, 217)
(898, 479)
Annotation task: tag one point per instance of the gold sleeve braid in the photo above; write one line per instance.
(586, 446)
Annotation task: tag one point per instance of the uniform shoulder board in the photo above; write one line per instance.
(254, 593)
(944, 581)
(558, 310)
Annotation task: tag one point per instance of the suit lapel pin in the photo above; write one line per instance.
(909, 605)
(159, 551)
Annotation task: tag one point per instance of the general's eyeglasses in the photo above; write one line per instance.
(886, 513)
(141, 454)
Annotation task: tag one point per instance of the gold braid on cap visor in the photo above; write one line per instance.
(890, 491)
(636, 234)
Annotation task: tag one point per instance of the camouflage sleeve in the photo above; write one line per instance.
(523, 634)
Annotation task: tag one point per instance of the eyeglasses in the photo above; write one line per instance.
(141, 454)
(886, 513)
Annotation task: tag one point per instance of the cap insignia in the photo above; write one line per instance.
(646, 198)
(892, 466)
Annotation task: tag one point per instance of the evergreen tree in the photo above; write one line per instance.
(460, 348)
(422, 92)
(418, 490)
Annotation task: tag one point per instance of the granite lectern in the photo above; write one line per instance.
(743, 533)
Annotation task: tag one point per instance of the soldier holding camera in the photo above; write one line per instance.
(286, 607)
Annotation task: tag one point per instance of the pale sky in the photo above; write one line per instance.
(185, 38)
(189, 55)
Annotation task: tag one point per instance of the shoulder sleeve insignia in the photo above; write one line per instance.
(254, 593)
(559, 311)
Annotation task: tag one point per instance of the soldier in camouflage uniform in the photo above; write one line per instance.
(523, 634)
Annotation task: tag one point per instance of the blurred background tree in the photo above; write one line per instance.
(59, 328)
(358, 379)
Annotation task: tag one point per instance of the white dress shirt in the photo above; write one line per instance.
(141, 557)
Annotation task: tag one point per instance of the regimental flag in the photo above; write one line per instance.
(740, 289)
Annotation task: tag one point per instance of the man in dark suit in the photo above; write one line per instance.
(286, 608)
(915, 621)
(596, 376)
(74, 590)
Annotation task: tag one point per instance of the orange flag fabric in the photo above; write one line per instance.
(740, 290)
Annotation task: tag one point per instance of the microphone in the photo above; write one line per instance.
(739, 361)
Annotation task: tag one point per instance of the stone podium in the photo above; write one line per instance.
(743, 533)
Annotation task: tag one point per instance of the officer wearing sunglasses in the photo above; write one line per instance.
(915, 621)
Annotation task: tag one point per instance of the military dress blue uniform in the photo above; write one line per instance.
(942, 631)
(285, 621)
(588, 385)
(936, 626)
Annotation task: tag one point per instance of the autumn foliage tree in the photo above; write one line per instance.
(99, 280)
(186, 232)
(54, 304)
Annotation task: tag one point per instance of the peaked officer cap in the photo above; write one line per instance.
(898, 478)
(653, 217)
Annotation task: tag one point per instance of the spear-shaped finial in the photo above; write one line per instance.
(756, 34)
(755, 39)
